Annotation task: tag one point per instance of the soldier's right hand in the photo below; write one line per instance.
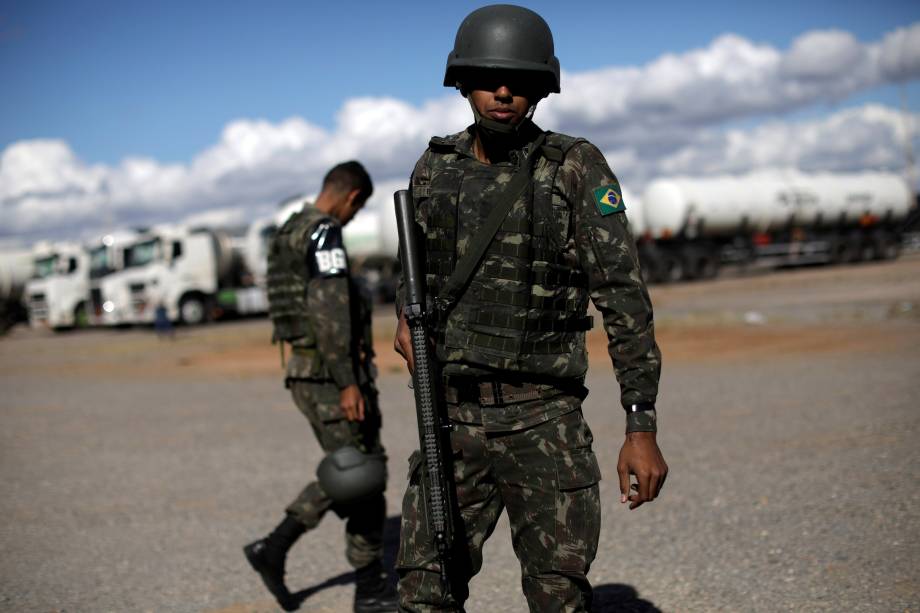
(351, 401)
(403, 342)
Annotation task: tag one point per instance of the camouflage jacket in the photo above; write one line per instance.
(584, 224)
(335, 315)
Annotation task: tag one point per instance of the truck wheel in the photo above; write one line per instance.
(650, 265)
(193, 310)
(888, 247)
(708, 265)
(843, 251)
(80, 316)
(673, 268)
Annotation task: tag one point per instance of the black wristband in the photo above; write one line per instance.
(640, 406)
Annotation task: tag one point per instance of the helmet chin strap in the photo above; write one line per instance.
(497, 131)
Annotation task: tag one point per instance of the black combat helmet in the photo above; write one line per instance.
(504, 37)
(348, 476)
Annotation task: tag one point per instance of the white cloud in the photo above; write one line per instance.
(665, 117)
(899, 54)
(868, 137)
(824, 55)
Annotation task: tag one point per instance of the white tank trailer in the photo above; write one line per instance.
(371, 241)
(15, 270)
(690, 227)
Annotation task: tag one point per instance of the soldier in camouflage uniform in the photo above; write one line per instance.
(511, 343)
(318, 309)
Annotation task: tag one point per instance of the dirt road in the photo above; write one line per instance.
(134, 469)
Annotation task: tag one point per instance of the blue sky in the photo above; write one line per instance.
(161, 79)
(115, 114)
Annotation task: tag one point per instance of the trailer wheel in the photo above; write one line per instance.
(868, 251)
(708, 265)
(888, 247)
(650, 264)
(673, 268)
(844, 251)
(193, 310)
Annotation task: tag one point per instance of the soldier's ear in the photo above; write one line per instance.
(351, 199)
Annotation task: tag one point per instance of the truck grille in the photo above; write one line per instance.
(138, 297)
(38, 307)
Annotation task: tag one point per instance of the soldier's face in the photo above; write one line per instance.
(503, 97)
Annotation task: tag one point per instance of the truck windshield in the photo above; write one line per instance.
(45, 267)
(142, 254)
(99, 264)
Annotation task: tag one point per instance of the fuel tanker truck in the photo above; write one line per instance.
(196, 274)
(371, 241)
(106, 257)
(58, 291)
(690, 227)
(15, 270)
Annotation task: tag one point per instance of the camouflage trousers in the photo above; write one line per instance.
(546, 475)
(319, 402)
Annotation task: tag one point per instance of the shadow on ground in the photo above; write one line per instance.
(620, 598)
(608, 598)
(390, 547)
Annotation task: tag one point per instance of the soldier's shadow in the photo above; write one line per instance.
(620, 598)
(390, 547)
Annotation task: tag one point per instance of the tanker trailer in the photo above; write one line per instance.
(770, 219)
(371, 242)
(15, 270)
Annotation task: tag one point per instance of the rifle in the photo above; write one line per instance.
(433, 427)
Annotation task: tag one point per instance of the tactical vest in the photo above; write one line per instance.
(287, 279)
(288, 274)
(524, 310)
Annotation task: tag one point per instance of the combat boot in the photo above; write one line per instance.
(267, 557)
(373, 592)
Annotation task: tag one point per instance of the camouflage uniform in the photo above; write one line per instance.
(320, 311)
(512, 352)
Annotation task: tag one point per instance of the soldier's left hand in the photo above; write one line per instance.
(351, 402)
(403, 342)
(641, 457)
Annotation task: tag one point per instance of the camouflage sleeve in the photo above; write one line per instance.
(328, 302)
(607, 252)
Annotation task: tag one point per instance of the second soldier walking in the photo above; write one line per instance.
(319, 310)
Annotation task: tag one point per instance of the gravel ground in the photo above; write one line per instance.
(133, 469)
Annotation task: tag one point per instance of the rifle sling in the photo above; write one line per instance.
(468, 264)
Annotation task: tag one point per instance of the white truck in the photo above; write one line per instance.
(15, 271)
(692, 226)
(371, 240)
(57, 294)
(106, 257)
(196, 274)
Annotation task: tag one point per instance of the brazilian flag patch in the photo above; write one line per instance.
(608, 199)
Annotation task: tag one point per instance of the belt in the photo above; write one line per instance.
(490, 393)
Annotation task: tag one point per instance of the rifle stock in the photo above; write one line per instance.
(434, 429)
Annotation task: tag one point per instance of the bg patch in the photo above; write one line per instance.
(608, 199)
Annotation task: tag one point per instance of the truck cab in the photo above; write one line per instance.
(56, 296)
(106, 257)
(169, 266)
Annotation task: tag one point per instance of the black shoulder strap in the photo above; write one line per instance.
(465, 267)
